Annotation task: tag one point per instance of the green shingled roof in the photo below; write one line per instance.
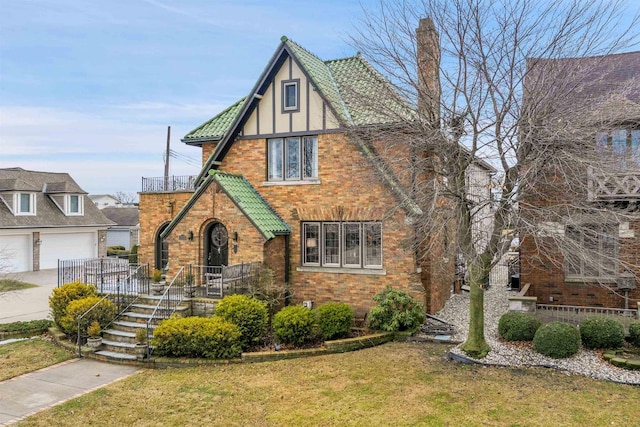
(216, 127)
(249, 201)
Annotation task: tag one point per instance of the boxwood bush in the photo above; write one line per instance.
(395, 311)
(601, 332)
(249, 314)
(63, 295)
(634, 333)
(518, 326)
(103, 314)
(212, 337)
(293, 325)
(334, 319)
(557, 340)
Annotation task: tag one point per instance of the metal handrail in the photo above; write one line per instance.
(117, 302)
(168, 303)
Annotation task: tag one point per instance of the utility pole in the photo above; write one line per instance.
(166, 160)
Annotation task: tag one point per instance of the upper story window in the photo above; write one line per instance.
(594, 252)
(290, 95)
(624, 144)
(292, 158)
(25, 203)
(346, 244)
(73, 204)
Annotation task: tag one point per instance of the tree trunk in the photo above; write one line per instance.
(475, 346)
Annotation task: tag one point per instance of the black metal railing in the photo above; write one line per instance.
(218, 281)
(106, 274)
(168, 184)
(122, 296)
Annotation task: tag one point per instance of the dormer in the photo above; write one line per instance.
(18, 196)
(66, 197)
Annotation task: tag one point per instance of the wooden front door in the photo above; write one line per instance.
(217, 246)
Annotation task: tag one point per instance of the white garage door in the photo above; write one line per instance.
(15, 253)
(66, 246)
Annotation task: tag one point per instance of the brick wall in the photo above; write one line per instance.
(349, 190)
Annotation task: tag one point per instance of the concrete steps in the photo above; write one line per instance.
(119, 341)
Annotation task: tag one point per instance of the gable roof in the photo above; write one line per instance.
(252, 205)
(245, 197)
(216, 127)
(48, 214)
(605, 87)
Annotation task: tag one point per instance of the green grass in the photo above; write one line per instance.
(20, 357)
(393, 384)
(7, 285)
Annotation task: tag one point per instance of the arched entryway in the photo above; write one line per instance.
(161, 249)
(216, 245)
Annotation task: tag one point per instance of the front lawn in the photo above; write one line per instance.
(393, 384)
(20, 357)
(7, 285)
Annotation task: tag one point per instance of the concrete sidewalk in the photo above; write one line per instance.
(32, 303)
(29, 393)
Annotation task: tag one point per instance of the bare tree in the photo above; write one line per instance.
(126, 198)
(466, 106)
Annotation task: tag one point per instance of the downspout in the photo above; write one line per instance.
(287, 264)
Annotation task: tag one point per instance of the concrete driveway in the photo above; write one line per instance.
(29, 304)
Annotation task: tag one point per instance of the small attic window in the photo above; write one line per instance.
(290, 95)
(24, 203)
(73, 205)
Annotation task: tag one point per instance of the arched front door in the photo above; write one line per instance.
(217, 247)
(161, 249)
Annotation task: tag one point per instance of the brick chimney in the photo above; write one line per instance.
(428, 61)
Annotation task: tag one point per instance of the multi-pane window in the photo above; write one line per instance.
(292, 158)
(346, 244)
(25, 204)
(290, 95)
(624, 144)
(592, 253)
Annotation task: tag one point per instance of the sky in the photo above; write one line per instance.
(90, 87)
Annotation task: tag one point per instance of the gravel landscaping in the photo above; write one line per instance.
(586, 362)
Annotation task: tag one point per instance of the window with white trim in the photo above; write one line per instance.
(622, 144)
(74, 205)
(292, 158)
(342, 244)
(290, 96)
(593, 253)
(24, 203)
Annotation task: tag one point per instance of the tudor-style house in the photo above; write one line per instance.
(45, 217)
(283, 183)
(589, 255)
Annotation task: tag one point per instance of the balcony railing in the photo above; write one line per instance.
(168, 184)
(616, 186)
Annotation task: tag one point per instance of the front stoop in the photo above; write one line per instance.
(119, 342)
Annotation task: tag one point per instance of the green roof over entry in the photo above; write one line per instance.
(251, 203)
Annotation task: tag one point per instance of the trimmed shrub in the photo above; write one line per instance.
(395, 311)
(557, 340)
(133, 255)
(293, 324)
(518, 326)
(212, 337)
(601, 332)
(103, 314)
(335, 320)
(249, 314)
(28, 326)
(62, 296)
(634, 333)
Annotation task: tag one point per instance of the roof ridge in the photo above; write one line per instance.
(304, 48)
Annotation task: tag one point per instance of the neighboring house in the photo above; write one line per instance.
(611, 239)
(126, 231)
(105, 201)
(45, 217)
(283, 183)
